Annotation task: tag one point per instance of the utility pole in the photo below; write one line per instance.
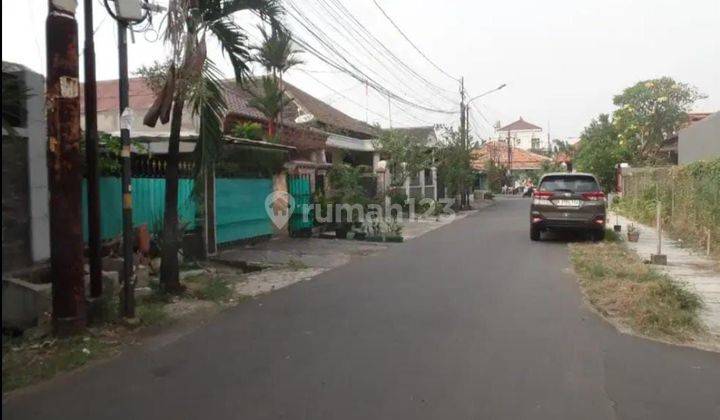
(64, 168)
(91, 156)
(128, 279)
(127, 12)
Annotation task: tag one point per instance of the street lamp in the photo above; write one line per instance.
(487, 93)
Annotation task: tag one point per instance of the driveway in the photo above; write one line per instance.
(470, 321)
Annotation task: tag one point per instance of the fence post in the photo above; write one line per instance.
(659, 258)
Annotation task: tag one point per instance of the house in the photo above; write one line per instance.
(497, 151)
(698, 139)
(522, 134)
(425, 183)
(344, 139)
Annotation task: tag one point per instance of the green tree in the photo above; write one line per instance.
(649, 112)
(193, 79)
(405, 156)
(600, 151)
(454, 162)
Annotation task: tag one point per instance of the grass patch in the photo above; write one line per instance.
(151, 312)
(619, 284)
(295, 264)
(25, 362)
(210, 288)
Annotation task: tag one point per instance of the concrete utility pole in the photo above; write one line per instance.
(128, 279)
(64, 168)
(91, 156)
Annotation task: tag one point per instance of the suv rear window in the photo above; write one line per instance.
(569, 183)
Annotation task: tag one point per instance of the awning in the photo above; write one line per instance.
(350, 143)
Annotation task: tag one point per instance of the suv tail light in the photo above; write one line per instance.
(542, 194)
(594, 196)
(542, 198)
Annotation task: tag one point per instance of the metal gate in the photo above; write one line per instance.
(301, 220)
(240, 208)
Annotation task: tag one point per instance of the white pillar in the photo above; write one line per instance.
(434, 182)
(406, 184)
(421, 175)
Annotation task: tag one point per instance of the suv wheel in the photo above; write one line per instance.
(534, 233)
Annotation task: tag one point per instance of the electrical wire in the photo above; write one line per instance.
(412, 43)
(349, 67)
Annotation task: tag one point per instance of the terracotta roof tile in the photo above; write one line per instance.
(498, 152)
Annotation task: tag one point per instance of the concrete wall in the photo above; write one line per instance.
(26, 222)
(700, 141)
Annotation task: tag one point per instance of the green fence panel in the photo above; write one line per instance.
(240, 208)
(148, 205)
(299, 189)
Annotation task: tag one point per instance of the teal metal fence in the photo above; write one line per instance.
(148, 205)
(302, 218)
(240, 208)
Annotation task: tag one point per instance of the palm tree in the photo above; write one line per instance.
(270, 100)
(277, 54)
(192, 78)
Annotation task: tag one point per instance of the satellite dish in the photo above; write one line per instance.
(303, 118)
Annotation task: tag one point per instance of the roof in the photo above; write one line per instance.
(670, 144)
(498, 152)
(305, 110)
(141, 97)
(520, 125)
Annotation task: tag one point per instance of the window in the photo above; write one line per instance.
(569, 183)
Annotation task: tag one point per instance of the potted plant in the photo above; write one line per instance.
(633, 234)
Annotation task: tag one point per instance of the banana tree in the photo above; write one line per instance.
(192, 78)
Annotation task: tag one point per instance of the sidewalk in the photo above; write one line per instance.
(687, 266)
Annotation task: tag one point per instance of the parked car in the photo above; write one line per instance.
(568, 201)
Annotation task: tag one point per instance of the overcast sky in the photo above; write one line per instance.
(562, 60)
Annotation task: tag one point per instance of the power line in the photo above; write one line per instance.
(412, 43)
(351, 39)
(369, 37)
(353, 70)
(355, 102)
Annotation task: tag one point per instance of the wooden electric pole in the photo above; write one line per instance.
(64, 168)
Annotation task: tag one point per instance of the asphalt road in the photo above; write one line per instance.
(471, 321)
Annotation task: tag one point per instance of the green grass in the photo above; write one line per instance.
(25, 362)
(210, 288)
(620, 285)
(151, 312)
(295, 264)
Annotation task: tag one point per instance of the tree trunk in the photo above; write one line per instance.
(169, 269)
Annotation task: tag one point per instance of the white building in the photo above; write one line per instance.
(522, 134)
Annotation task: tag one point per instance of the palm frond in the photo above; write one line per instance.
(207, 101)
(270, 99)
(233, 42)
